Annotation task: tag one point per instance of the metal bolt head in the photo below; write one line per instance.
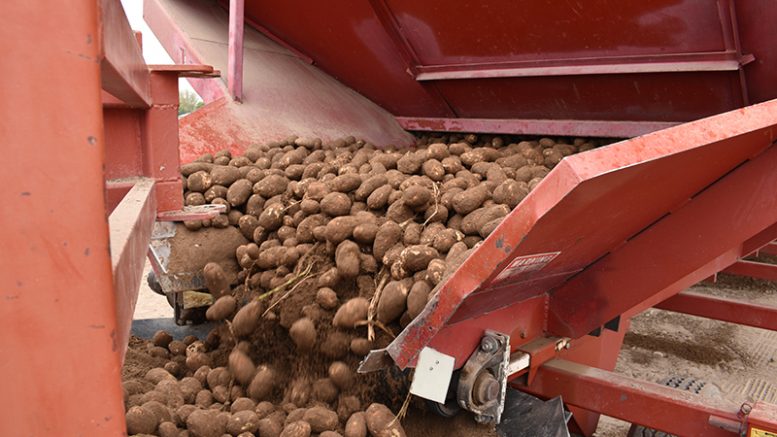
(489, 344)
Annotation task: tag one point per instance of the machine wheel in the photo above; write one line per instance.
(449, 409)
(685, 383)
(153, 284)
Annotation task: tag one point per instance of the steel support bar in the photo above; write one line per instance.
(474, 72)
(652, 405)
(721, 308)
(130, 223)
(769, 249)
(235, 56)
(123, 70)
(591, 128)
(734, 209)
(754, 269)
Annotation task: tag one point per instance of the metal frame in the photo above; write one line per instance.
(721, 308)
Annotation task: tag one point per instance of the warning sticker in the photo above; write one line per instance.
(527, 263)
(755, 432)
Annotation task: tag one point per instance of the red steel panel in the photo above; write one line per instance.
(623, 188)
(666, 60)
(656, 406)
(667, 251)
(130, 225)
(60, 350)
(721, 308)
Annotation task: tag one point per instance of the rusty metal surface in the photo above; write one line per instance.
(56, 304)
(624, 188)
(670, 410)
(659, 61)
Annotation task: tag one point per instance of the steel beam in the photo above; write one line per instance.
(130, 223)
(734, 209)
(754, 269)
(590, 128)
(769, 249)
(721, 308)
(235, 55)
(57, 312)
(652, 405)
(123, 70)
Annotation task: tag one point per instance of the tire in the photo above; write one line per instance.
(684, 383)
(153, 283)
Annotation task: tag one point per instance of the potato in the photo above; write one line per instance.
(335, 345)
(241, 366)
(271, 185)
(224, 175)
(303, 333)
(296, 429)
(393, 301)
(347, 259)
(416, 196)
(381, 422)
(168, 429)
(417, 257)
(245, 421)
(510, 192)
(470, 199)
(205, 423)
(365, 233)
(341, 375)
(351, 312)
(378, 199)
(221, 309)
(157, 374)
(325, 390)
(336, 204)
(199, 181)
(489, 227)
(161, 339)
(329, 279)
(239, 192)
(474, 221)
(326, 298)
(369, 185)
(193, 167)
(346, 183)
(272, 217)
(321, 419)
(262, 384)
(356, 426)
(215, 279)
(436, 269)
(399, 212)
(417, 297)
(247, 319)
(194, 199)
(269, 428)
(340, 228)
(410, 162)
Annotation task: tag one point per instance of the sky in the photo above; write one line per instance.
(153, 52)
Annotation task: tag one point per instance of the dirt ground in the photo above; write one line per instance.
(741, 361)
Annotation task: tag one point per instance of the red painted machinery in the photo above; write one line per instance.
(541, 306)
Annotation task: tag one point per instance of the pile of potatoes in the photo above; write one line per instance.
(346, 240)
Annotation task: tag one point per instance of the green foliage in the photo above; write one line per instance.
(188, 102)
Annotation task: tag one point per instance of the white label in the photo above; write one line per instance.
(527, 263)
(432, 375)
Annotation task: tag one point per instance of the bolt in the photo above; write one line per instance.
(488, 344)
